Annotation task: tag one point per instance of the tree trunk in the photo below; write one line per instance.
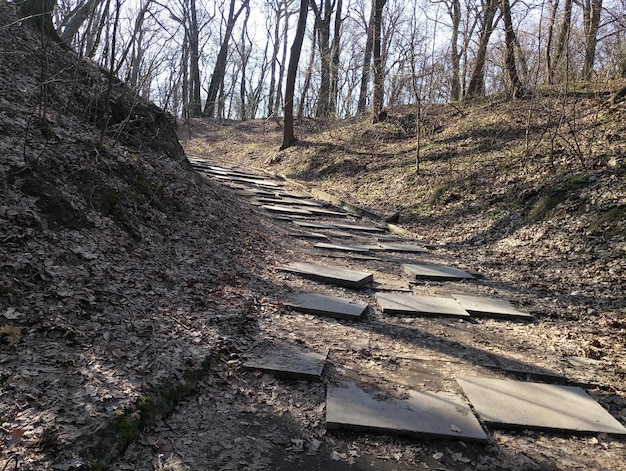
(476, 85)
(308, 75)
(379, 72)
(562, 39)
(367, 63)
(517, 89)
(243, 93)
(288, 131)
(72, 23)
(281, 70)
(38, 13)
(322, 22)
(94, 35)
(194, 61)
(276, 47)
(455, 57)
(219, 71)
(550, 38)
(334, 66)
(593, 9)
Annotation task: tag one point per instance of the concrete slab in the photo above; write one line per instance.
(327, 212)
(422, 414)
(334, 275)
(342, 247)
(314, 225)
(291, 364)
(260, 192)
(479, 306)
(309, 235)
(289, 201)
(435, 272)
(399, 247)
(329, 306)
(392, 303)
(286, 210)
(355, 227)
(517, 404)
(249, 181)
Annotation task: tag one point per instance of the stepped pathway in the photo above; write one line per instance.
(380, 331)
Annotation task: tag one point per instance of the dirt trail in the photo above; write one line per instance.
(247, 420)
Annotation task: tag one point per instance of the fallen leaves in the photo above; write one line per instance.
(10, 333)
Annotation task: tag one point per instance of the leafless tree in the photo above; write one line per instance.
(288, 129)
(219, 71)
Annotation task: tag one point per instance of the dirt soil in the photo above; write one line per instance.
(133, 289)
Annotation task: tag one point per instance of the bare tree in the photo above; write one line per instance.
(334, 63)
(454, 10)
(476, 85)
(219, 71)
(517, 89)
(71, 24)
(379, 72)
(328, 53)
(367, 63)
(591, 21)
(553, 60)
(39, 14)
(288, 132)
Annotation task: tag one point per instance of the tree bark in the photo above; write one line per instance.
(517, 89)
(591, 14)
(276, 47)
(476, 85)
(322, 22)
(334, 66)
(454, 9)
(194, 61)
(367, 63)
(72, 23)
(288, 132)
(379, 72)
(281, 70)
(38, 13)
(308, 75)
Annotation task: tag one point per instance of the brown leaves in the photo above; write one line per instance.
(10, 334)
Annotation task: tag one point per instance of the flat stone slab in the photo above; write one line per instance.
(309, 235)
(326, 212)
(479, 306)
(398, 247)
(517, 404)
(274, 208)
(355, 227)
(248, 181)
(338, 276)
(435, 272)
(291, 364)
(329, 306)
(289, 201)
(342, 247)
(314, 225)
(422, 414)
(393, 303)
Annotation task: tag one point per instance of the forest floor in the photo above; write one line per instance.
(546, 231)
(132, 288)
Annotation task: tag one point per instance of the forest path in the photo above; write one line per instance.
(247, 420)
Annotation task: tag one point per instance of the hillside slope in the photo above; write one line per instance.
(128, 283)
(531, 191)
(114, 260)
